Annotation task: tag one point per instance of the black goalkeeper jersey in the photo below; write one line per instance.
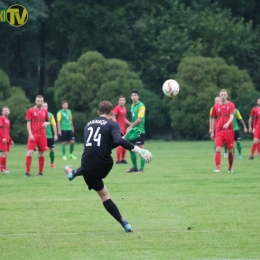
(98, 143)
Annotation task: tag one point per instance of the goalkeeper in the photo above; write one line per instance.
(101, 135)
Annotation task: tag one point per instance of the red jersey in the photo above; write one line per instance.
(121, 115)
(5, 129)
(255, 113)
(37, 118)
(222, 112)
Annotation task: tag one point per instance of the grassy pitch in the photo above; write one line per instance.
(178, 208)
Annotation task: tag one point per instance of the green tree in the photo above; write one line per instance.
(245, 102)
(157, 121)
(4, 85)
(20, 48)
(15, 99)
(200, 81)
(92, 79)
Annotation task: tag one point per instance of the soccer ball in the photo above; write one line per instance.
(171, 88)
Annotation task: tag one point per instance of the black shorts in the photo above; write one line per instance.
(94, 178)
(50, 142)
(237, 136)
(67, 135)
(140, 140)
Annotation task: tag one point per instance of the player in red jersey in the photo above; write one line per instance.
(5, 138)
(119, 115)
(37, 120)
(223, 114)
(255, 119)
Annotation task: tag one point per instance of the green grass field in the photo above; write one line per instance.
(179, 208)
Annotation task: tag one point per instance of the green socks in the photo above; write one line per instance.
(71, 148)
(133, 159)
(52, 157)
(142, 163)
(63, 148)
(239, 148)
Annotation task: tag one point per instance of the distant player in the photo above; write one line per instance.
(138, 120)
(101, 135)
(217, 100)
(119, 115)
(66, 129)
(223, 114)
(255, 120)
(50, 130)
(37, 120)
(5, 138)
(237, 137)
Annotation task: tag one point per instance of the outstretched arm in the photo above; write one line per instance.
(119, 141)
(145, 154)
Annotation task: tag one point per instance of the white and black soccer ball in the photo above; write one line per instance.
(171, 88)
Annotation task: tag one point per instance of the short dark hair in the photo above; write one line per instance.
(135, 91)
(121, 96)
(64, 101)
(105, 107)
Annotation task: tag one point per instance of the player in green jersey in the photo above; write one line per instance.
(50, 130)
(237, 138)
(66, 129)
(138, 120)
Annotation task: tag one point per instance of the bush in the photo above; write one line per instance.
(90, 80)
(200, 81)
(4, 86)
(157, 118)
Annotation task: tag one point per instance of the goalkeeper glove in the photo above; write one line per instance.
(132, 134)
(145, 154)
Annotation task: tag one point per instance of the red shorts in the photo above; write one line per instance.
(257, 134)
(225, 137)
(39, 141)
(5, 147)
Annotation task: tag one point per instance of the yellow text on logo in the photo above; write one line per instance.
(2, 15)
(17, 15)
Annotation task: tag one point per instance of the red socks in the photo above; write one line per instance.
(217, 160)
(2, 163)
(123, 152)
(41, 163)
(253, 148)
(120, 153)
(28, 163)
(230, 159)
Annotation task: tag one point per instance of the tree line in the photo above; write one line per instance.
(99, 49)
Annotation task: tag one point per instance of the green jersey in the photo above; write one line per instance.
(49, 133)
(237, 116)
(65, 118)
(138, 110)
